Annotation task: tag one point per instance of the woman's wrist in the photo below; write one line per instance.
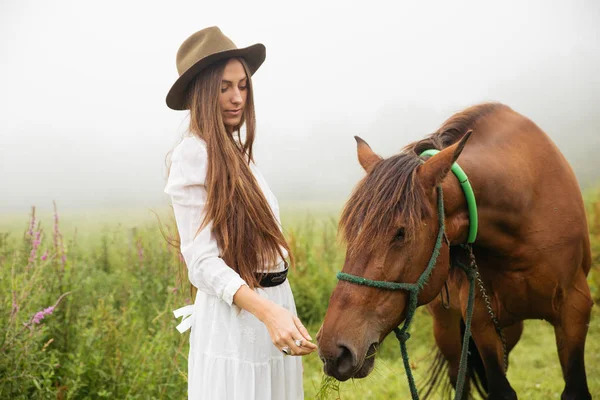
(263, 309)
(252, 302)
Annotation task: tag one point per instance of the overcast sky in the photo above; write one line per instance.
(82, 85)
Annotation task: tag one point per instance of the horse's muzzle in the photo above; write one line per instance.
(345, 364)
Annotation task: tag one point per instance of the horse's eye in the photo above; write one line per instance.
(399, 235)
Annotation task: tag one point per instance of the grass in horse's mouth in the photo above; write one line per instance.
(375, 347)
(328, 385)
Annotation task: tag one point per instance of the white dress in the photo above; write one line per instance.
(231, 353)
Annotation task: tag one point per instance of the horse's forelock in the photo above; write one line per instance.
(387, 196)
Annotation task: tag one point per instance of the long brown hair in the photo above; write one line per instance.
(243, 223)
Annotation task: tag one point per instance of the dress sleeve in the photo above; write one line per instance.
(206, 269)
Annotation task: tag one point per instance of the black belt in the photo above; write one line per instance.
(271, 279)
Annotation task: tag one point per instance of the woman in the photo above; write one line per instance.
(243, 321)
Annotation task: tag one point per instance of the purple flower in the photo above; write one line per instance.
(45, 256)
(35, 243)
(40, 315)
(37, 318)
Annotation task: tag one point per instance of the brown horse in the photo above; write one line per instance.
(532, 248)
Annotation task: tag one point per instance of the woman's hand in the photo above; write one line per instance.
(285, 328)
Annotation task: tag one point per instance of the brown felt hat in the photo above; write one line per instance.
(202, 49)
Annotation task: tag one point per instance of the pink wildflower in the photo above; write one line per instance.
(40, 315)
(35, 243)
(45, 256)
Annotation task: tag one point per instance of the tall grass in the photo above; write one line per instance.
(105, 328)
(90, 316)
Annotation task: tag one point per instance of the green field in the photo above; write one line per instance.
(112, 334)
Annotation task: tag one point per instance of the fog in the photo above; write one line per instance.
(83, 119)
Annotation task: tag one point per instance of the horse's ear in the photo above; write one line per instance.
(366, 157)
(437, 167)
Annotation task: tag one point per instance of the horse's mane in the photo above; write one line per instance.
(453, 129)
(390, 195)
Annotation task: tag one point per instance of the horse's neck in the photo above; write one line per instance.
(498, 231)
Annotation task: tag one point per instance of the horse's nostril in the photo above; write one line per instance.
(345, 361)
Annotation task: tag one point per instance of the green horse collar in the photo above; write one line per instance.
(469, 195)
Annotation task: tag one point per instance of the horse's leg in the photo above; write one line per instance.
(490, 349)
(512, 333)
(571, 330)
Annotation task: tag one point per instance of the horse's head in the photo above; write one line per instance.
(390, 225)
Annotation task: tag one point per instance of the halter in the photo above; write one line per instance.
(414, 288)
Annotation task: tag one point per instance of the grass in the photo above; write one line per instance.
(113, 333)
(534, 369)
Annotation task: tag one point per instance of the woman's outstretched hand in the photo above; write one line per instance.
(286, 330)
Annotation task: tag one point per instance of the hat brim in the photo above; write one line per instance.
(253, 55)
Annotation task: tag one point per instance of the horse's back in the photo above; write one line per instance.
(521, 172)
